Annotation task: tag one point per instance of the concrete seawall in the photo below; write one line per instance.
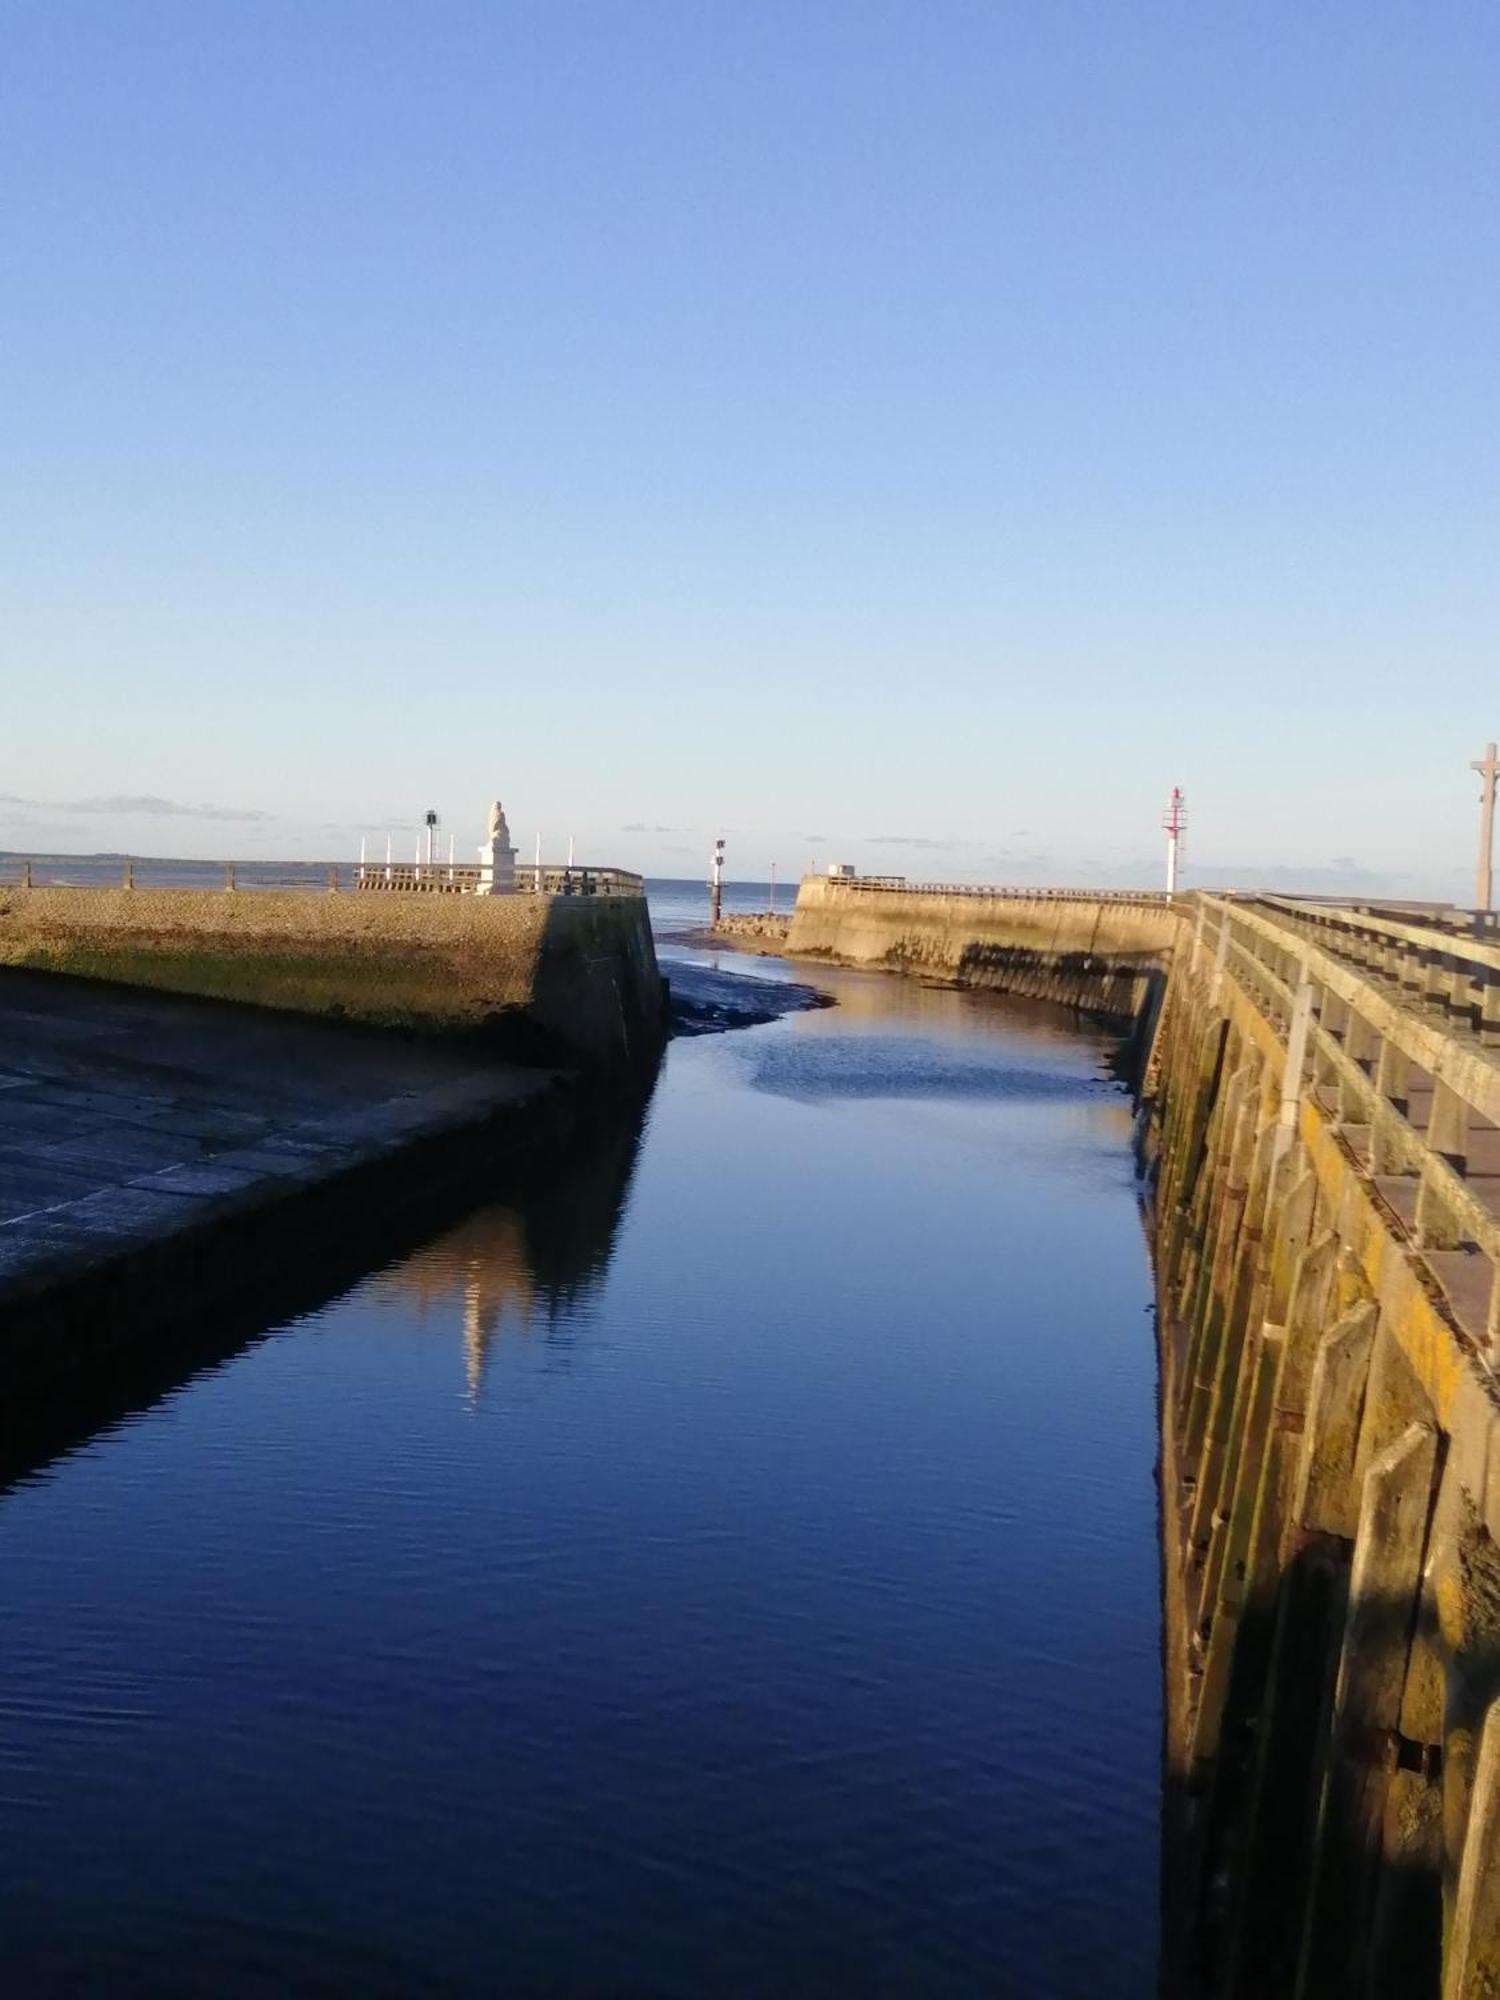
(200, 1089)
(566, 979)
(967, 933)
(1106, 956)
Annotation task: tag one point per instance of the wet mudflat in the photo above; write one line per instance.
(730, 1567)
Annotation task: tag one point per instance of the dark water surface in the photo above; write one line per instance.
(730, 1570)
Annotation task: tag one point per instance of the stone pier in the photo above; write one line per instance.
(1321, 1119)
(565, 978)
(199, 1088)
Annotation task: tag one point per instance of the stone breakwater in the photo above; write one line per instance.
(755, 927)
(572, 980)
(1013, 941)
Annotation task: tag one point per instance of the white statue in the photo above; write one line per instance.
(497, 858)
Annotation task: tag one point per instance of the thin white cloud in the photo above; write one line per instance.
(142, 804)
(917, 840)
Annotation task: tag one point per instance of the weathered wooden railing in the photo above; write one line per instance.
(1322, 1116)
(1396, 1026)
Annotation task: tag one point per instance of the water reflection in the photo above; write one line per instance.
(908, 1004)
(526, 1266)
(892, 1038)
(527, 1258)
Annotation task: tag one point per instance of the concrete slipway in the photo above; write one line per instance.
(156, 1150)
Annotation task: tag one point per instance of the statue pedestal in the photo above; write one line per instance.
(497, 868)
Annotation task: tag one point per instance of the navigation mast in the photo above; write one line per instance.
(1174, 819)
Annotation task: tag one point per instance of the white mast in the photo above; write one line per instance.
(1174, 820)
(1488, 771)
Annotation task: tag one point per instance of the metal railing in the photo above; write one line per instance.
(464, 878)
(1394, 1025)
(115, 871)
(437, 877)
(1155, 898)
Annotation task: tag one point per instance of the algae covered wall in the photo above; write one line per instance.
(571, 979)
(1107, 954)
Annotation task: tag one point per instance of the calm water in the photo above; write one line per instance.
(729, 1566)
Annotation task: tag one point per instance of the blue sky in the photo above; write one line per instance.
(914, 434)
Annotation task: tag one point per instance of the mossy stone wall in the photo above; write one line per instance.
(570, 977)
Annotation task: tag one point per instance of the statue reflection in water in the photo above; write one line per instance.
(524, 1267)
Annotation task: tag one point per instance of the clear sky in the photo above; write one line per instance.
(916, 434)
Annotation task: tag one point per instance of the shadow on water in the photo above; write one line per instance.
(539, 1221)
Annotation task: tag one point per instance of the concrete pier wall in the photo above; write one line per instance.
(1106, 955)
(568, 979)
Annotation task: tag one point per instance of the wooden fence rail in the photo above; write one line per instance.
(1399, 1037)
